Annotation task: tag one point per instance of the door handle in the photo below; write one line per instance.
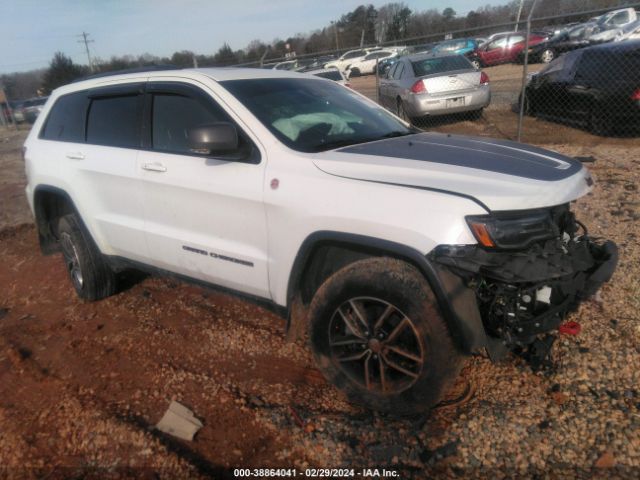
(75, 156)
(154, 167)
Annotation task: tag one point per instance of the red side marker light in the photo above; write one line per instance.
(570, 328)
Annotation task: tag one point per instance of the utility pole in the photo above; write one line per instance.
(519, 14)
(86, 41)
(335, 29)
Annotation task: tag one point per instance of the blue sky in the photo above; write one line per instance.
(32, 30)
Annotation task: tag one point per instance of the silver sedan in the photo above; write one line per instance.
(421, 85)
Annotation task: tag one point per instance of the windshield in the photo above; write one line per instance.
(312, 115)
(430, 66)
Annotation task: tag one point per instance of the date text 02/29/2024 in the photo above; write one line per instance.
(315, 473)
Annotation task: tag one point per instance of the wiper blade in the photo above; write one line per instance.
(346, 142)
(397, 133)
(337, 144)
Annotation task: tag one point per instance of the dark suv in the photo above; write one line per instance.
(596, 87)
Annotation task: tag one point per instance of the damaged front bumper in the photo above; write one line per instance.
(524, 293)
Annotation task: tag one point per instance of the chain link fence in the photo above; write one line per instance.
(544, 78)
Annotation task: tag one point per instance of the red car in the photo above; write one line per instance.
(503, 49)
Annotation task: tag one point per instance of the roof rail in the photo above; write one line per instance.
(149, 68)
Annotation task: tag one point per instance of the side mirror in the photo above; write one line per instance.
(221, 137)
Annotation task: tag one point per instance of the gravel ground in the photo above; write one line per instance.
(82, 384)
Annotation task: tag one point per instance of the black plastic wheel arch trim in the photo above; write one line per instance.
(456, 301)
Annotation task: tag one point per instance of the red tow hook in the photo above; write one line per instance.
(570, 328)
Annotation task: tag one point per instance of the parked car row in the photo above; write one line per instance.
(20, 111)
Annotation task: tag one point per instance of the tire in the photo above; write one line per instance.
(599, 124)
(528, 110)
(413, 326)
(547, 55)
(476, 114)
(89, 273)
(476, 64)
(355, 72)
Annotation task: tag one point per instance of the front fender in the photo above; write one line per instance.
(456, 301)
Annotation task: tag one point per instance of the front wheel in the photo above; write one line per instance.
(476, 114)
(599, 124)
(90, 275)
(547, 55)
(377, 334)
(476, 64)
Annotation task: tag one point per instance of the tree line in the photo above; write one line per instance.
(365, 25)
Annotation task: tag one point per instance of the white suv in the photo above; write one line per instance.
(397, 251)
(349, 57)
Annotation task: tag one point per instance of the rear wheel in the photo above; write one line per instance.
(476, 64)
(377, 334)
(476, 114)
(528, 109)
(547, 55)
(90, 276)
(599, 123)
(355, 72)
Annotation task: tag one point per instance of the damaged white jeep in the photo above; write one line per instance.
(399, 252)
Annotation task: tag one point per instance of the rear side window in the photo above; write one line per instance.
(114, 121)
(607, 67)
(397, 74)
(67, 119)
(355, 54)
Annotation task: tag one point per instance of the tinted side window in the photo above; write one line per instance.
(499, 43)
(173, 117)
(619, 18)
(353, 55)
(398, 72)
(609, 68)
(392, 72)
(590, 67)
(114, 121)
(67, 119)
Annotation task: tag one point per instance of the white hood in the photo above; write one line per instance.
(501, 175)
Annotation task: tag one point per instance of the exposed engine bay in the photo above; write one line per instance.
(524, 292)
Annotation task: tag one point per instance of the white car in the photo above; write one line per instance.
(400, 252)
(367, 64)
(348, 58)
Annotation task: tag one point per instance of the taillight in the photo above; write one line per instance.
(636, 95)
(419, 87)
(348, 85)
(484, 78)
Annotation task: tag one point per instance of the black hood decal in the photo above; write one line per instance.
(500, 156)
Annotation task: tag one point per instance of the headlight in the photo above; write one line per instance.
(512, 230)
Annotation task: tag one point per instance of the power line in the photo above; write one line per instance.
(86, 41)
